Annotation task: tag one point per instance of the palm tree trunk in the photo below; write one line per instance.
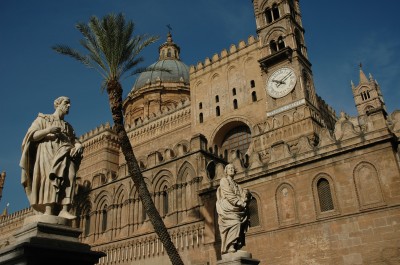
(114, 91)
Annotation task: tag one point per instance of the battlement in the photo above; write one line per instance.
(160, 123)
(95, 132)
(242, 47)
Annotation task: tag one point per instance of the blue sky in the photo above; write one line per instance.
(339, 35)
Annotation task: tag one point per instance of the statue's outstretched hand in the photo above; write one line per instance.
(77, 150)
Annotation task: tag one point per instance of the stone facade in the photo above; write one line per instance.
(326, 188)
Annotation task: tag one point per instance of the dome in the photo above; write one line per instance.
(178, 73)
(169, 59)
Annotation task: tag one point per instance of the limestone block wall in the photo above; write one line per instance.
(227, 86)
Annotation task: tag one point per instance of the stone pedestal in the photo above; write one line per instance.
(48, 242)
(238, 258)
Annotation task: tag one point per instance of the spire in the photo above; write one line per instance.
(363, 77)
(169, 50)
(5, 211)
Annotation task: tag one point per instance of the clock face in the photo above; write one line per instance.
(281, 82)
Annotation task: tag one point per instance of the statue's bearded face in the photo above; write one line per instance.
(64, 106)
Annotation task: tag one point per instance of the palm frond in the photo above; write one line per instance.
(66, 50)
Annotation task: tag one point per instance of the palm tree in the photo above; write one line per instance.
(113, 51)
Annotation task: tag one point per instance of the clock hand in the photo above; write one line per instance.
(286, 77)
(277, 81)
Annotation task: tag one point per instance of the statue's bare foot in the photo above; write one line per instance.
(48, 210)
(66, 215)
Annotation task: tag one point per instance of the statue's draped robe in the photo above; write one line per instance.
(233, 220)
(46, 164)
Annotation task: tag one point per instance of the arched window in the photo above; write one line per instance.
(87, 225)
(272, 14)
(253, 212)
(201, 117)
(235, 104)
(234, 92)
(252, 84)
(324, 195)
(281, 43)
(254, 96)
(165, 200)
(298, 40)
(268, 15)
(216, 98)
(144, 214)
(275, 11)
(217, 111)
(211, 170)
(104, 219)
(273, 46)
(200, 105)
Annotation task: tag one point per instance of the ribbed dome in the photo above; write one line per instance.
(178, 72)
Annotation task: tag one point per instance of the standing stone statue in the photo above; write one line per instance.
(51, 155)
(232, 208)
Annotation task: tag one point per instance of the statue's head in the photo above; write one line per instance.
(62, 103)
(230, 170)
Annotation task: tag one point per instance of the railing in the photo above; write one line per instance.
(146, 247)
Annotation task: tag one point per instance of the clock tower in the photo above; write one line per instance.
(292, 107)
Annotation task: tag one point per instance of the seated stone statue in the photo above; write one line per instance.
(232, 208)
(51, 155)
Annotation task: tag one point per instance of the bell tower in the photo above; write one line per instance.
(291, 101)
(367, 95)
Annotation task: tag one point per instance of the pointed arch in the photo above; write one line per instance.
(102, 205)
(186, 190)
(119, 210)
(162, 183)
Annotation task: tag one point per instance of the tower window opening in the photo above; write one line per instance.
(235, 104)
(275, 12)
(217, 111)
(273, 46)
(234, 91)
(271, 14)
(200, 105)
(365, 95)
(169, 53)
(201, 117)
(252, 84)
(268, 15)
(281, 43)
(216, 98)
(254, 96)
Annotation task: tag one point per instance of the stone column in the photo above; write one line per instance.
(46, 239)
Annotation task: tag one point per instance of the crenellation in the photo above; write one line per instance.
(224, 54)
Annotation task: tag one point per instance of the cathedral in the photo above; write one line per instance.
(325, 186)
